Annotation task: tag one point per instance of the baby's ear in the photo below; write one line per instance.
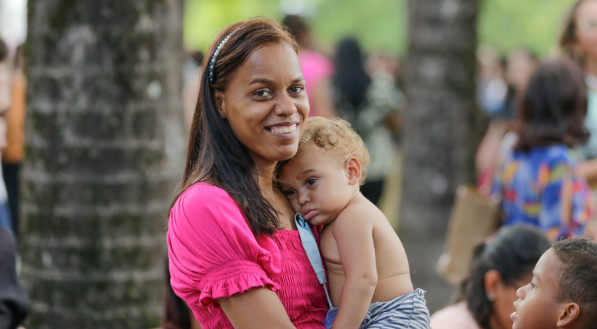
(353, 170)
(568, 315)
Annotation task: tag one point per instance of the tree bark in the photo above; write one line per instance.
(104, 152)
(440, 138)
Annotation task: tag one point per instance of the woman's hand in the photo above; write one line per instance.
(256, 308)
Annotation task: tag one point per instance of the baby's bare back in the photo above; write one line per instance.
(391, 263)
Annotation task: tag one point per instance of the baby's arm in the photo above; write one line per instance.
(354, 237)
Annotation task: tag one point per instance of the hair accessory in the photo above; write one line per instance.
(212, 62)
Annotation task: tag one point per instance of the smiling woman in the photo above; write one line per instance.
(233, 247)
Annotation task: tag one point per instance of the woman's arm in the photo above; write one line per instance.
(256, 308)
(354, 237)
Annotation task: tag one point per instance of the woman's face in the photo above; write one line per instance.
(265, 103)
(586, 29)
(503, 305)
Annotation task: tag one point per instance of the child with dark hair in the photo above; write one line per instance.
(562, 293)
(538, 181)
(498, 268)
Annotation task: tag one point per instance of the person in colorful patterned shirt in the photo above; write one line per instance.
(537, 180)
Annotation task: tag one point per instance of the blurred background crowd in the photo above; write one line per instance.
(439, 92)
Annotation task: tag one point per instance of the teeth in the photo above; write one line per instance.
(283, 129)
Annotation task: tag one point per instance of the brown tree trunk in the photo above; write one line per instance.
(439, 140)
(104, 152)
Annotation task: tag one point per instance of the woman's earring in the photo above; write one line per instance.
(490, 297)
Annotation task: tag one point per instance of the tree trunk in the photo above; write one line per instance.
(104, 152)
(439, 139)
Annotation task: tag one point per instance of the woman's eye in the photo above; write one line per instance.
(296, 89)
(262, 93)
(311, 181)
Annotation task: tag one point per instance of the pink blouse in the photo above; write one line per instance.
(213, 254)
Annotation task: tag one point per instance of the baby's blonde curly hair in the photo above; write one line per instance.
(334, 134)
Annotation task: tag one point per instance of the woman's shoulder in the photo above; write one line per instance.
(206, 205)
(203, 193)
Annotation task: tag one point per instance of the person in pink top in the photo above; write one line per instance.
(317, 68)
(235, 255)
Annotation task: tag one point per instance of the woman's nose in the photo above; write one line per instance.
(285, 105)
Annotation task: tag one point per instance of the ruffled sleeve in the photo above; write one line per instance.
(212, 250)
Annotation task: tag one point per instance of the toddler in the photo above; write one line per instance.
(366, 264)
(562, 292)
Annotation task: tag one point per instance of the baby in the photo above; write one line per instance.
(366, 264)
(562, 293)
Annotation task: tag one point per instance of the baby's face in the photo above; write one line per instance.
(537, 305)
(316, 185)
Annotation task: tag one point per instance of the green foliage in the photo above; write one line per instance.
(382, 24)
(204, 19)
(507, 24)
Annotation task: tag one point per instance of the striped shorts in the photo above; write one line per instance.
(406, 311)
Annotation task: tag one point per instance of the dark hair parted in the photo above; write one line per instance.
(350, 79)
(513, 253)
(553, 106)
(578, 276)
(215, 154)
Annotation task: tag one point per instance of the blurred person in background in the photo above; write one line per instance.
(578, 41)
(537, 181)
(371, 103)
(517, 70)
(12, 156)
(5, 104)
(492, 85)
(13, 302)
(316, 67)
(499, 266)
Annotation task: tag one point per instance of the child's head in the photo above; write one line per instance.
(553, 106)
(498, 268)
(562, 293)
(327, 170)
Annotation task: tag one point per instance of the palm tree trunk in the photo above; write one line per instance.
(103, 154)
(439, 134)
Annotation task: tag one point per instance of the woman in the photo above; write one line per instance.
(578, 41)
(235, 255)
(537, 180)
(499, 267)
(371, 104)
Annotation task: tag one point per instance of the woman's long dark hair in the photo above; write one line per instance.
(568, 35)
(513, 253)
(553, 107)
(350, 80)
(215, 154)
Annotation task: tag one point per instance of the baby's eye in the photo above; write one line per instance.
(288, 193)
(532, 284)
(311, 181)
